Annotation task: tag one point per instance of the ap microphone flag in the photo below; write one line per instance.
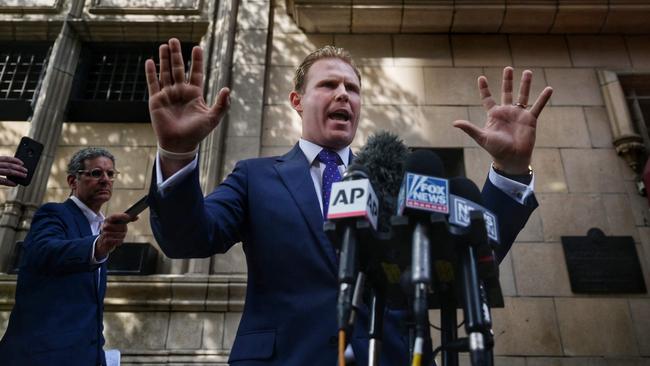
(354, 198)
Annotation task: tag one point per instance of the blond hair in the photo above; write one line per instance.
(321, 53)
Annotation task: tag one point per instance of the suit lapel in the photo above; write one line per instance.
(82, 222)
(84, 230)
(293, 169)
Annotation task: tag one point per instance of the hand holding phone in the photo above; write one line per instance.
(11, 167)
(29, 152)
(137, 207)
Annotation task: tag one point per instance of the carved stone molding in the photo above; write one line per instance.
(628, 143)
(160, 293)
(30, 6)
(142, 20)
(145, 6)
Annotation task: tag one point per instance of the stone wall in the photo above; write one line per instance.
(414, 85)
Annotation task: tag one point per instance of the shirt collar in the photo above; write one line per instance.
(91, 216)
(311, 151)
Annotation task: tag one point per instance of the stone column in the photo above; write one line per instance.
(218, 48)
(628, 143)
(218, 71)
(46, 125)
(244, 130)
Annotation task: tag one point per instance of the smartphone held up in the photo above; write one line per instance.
(29, 152)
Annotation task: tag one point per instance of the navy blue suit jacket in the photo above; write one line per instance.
(57, 316)
(270, 205)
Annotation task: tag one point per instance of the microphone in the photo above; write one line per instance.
(382, 159)
(424, 198)
(384, 155)
(352, 200)
(422, 190)
(354, 197)
(460, 208)
(471, 235)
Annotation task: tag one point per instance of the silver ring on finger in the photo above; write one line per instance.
(521, 105)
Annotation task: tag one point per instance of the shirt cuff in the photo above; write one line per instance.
(513, 189)
(92, 256)
(165, 185)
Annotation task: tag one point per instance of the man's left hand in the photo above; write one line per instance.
(509, 132)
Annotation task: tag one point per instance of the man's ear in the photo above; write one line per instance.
(296, 101)
(72, 182)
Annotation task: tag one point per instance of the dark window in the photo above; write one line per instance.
(637, 93)
(110, 84)
(22, 67)
(452, 160)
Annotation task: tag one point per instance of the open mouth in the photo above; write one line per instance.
(340, 115)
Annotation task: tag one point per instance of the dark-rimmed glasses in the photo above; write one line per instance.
(98, 173)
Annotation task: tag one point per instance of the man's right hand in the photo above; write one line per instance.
(10, 166)
(180, 117)
(112, 234)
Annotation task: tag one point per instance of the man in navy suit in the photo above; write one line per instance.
(57, 316)
(274, 205)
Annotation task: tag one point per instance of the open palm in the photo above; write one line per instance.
(510, 130)
(179, 114)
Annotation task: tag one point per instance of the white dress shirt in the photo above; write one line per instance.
(513, 189)
(95, 221)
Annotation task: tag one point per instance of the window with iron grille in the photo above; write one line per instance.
(637, 93)
(110, 84)
(22, 67)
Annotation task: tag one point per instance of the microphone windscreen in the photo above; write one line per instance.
(384, 155)
(356, 171)
(425, 162)
(463, 187)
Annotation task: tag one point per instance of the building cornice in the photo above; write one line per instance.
(471, 16)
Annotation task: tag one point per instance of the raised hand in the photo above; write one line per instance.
(179, 114)
(509, 131)
(10, 166)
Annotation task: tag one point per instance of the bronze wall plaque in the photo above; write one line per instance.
(600, 264)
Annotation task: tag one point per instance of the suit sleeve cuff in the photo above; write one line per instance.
(165, 185)
(93, 260)
(513, 189)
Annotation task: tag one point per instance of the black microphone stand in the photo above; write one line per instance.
(476, 324)
(448, 322)
(487, 332)
(376, 329)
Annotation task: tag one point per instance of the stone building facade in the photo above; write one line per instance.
(419, 61)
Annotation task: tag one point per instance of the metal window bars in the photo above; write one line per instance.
(116, 73)
(116, 76)
(22, 66)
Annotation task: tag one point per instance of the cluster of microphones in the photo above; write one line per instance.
(411, 239)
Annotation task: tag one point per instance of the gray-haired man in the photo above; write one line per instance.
(57, 317)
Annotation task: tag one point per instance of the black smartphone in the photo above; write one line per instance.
(137, 207)
(29, 151)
